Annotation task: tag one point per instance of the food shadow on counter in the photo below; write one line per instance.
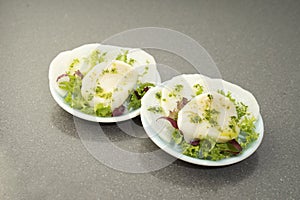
(63, 121)
(183, 173)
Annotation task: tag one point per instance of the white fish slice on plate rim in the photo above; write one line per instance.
(152, 125)
(65, 58)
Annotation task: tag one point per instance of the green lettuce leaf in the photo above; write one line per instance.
(137, 94)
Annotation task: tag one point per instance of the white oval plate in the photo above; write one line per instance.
(63, 60)
(160, 131)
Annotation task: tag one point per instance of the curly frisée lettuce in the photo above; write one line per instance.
(136, 95)
(208, 149)
(73, 97)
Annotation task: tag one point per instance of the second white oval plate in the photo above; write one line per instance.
(159, 131)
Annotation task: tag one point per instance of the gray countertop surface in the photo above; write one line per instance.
(255, 44)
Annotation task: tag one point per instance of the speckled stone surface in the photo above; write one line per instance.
(254, 43)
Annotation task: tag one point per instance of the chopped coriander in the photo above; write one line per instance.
(178, 88)
(195, 118)
(155, 109)
(172, 94)
(241, 108)
(233, 123)
(113, 70)
(228, 95)
(210, 96)
(211, 115)
(100, 93)
(158, 95)
(123, 57)
(96, 57)
(199, 89)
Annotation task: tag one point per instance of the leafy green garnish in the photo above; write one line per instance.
(208, 148)
(195, 118)
(155, 109)
(177, 136)
(211, 115)
(158, 95)
(102, 94)
(241, 108)
(73, 97)
(134, 102)
(178, 88)
(102, 111)
(190, 150)
(199, 89)
(72, 65)
(137, 94)
(247, 133)
(96, 57)
(123, 57)
(233, 123)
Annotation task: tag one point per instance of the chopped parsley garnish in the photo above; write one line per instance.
(96, 57)
(199, 89)
(155, 109)
(172, 94)
(211, 115)
(102, 94)
(113, 70)
(178, 88)
(158, 95)
(123, 57)
(195, 118)
(241, 108)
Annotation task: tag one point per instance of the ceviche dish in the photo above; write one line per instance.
(102, 80)
(202, 118)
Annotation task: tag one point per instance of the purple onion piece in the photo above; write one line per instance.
(137, 95)
(146, 89)
(118, 111)
(172, 121)
(195, 142)
(60, 76)
(236, 145)
(182, 103)
(78, 73)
